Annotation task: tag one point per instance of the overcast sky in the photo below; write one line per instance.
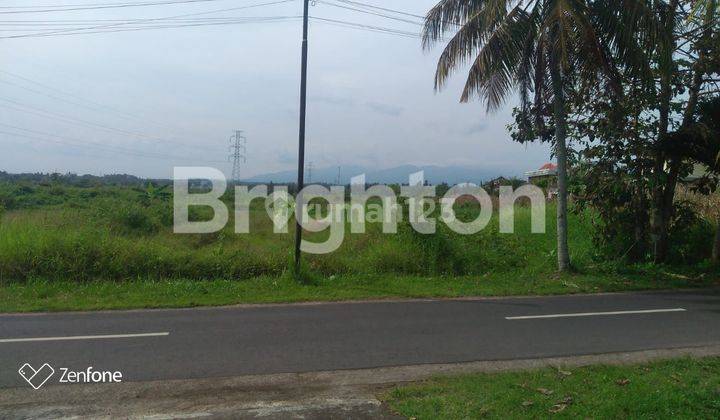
(146, 101)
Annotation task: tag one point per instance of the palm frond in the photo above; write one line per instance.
(459, 50)
(630, 30)
(493, 73)
(450, 15)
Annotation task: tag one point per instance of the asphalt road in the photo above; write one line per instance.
(232, 341)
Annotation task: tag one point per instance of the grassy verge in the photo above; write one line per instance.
(57, 295)
(684, 388)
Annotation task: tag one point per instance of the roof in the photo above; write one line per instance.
(548, 169)
(498, 179)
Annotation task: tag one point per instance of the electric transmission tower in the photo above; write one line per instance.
(309, 172)
(238, 151)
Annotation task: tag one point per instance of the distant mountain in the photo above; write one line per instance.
(396, 175)
(86, 180)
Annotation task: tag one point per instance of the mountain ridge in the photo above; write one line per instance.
(393, 175)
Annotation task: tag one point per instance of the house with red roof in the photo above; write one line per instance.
(545, 177)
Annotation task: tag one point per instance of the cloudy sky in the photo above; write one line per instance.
(141, 102)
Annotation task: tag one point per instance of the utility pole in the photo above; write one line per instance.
(238, 150)
(301, 134)
(339, 178)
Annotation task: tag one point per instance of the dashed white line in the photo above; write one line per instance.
(579, 314)
(83, 337)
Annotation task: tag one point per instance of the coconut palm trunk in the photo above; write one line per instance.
(560, 113)
(512, 47)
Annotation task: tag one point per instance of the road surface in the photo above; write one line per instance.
(242, 340)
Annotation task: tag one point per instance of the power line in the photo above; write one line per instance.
(214, 22)
(370, 28)
(58, 98)
(76, 121)
(371, 13)
(97, 145)
(70, 152)
(87, 21)
(399, 12)
(165, 26)
(79, 7)
(332, 22)
(74, 31)
(83, 143)
(92, 104)
(50, 24)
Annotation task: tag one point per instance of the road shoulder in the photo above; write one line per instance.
(348, 393)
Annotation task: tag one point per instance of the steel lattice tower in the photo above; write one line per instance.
(238, 151)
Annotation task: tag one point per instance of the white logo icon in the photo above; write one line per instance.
(36, 378)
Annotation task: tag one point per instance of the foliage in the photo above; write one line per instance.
(639, 134)
(110, 233)
(151, 193)
(536, 48)
(115, 233)
(134, 218)
(103, 248)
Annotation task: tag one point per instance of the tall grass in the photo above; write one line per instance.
(116, 236)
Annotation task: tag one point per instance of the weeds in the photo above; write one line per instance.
(119, 233)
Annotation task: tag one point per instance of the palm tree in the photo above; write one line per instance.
(534, 47)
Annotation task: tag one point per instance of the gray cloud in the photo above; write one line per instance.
(330, 100)
(478, 127)
(385, 109)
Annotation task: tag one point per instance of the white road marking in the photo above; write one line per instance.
(83, 337)
(648, 311)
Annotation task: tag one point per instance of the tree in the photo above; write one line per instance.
(641, 147)
(152, 193)
(537, 48)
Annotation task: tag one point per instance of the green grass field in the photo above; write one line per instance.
(110, 247)
(677, 389)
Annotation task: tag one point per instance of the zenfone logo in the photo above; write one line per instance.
(36, 378)
(89, 376)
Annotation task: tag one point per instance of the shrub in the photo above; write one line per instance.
(135, 219)
(691, 236)
(7, 197)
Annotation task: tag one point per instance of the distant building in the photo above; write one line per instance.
(545, 177)
(494, 184)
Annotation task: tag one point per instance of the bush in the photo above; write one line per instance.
(691, 236)
(7, 196)
(135, 219)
